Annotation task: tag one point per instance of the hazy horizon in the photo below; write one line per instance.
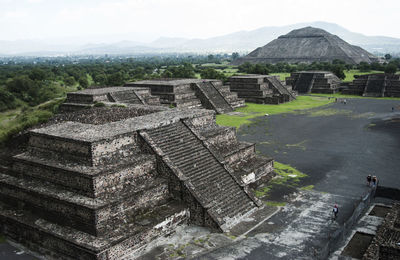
(94, 21)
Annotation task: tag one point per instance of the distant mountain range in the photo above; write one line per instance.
(242, 41)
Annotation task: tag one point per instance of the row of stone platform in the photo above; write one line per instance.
(100, 188)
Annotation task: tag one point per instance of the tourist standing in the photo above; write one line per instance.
(335, 211)
(369, 179)
(374, 181)
(344, 101)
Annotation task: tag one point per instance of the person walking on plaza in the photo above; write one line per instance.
(369, 179)
(374, 181)
(335, 211)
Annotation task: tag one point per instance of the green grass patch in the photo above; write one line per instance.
(2, 238)
(300, 145)
(275, 203)
(351, 73)
(309, 187)
(287, 173)
(256, 110)
(329, 112)
(286, 176)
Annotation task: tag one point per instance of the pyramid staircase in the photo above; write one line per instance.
(215, 188)
(304, 83)
(213, 97)
(127, 97)
(375, 86)
(281, 88)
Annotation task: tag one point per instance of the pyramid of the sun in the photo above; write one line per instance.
(307, 45)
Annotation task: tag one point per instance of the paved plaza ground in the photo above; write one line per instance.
(336, 146)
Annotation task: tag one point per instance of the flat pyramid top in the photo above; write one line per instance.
(306, 32)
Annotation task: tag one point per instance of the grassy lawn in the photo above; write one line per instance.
(256, 110)
(224, 63)
(350, 74)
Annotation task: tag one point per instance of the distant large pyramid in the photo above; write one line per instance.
(307, 45)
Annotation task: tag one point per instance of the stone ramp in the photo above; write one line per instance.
(215, 99)
(281, 89)
(205, 177)
(304, 83)
(128, 97)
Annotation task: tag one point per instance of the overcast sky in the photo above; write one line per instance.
(146, 20)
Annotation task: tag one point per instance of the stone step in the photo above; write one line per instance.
(177, 147)
(219, 136)
(201, 169)
(88, 181)
(187, 103)
(153, 101)
(249, 87)
(200, 176)
(237, 151)
(175, 139)
(182, 152)
(238, 103)
(51, 143)
(252, 93)
(182, 161)
(93, 216)
(67, 243)
(256, 168)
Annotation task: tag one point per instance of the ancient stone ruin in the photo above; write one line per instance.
(262, 89)
(102, 186)
(375, 85)
(90, 97)
(307, 45)
(314, 82)
(385, 244)
(192, 93)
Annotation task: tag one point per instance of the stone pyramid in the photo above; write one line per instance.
(307, 45)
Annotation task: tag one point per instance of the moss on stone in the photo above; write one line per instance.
(275, 203)
(2, 238)
(286, 176)
(309, 187)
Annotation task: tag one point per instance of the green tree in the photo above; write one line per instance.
(37, 74)
(115, 79)
(388, 56)
(7, 100)
(211, 73)
(391, 68)
(338, 70)
(235, 55)
(364, 67)
(83, 82)
(69, 80)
